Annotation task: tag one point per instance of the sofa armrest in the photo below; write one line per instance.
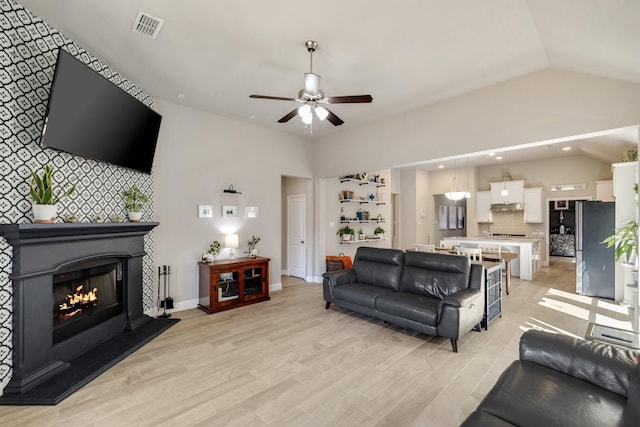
(476, 276)
(463, 297)
(335, 278)
(598, 363)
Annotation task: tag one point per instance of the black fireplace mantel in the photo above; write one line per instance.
(39, 251)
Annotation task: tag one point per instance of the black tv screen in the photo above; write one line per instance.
(89, 116)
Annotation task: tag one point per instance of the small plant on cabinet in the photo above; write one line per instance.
(214, 249)
(253, 252)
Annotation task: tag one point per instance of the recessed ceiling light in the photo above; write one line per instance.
(499, 158)
(440, 166)
(180, 96)
(253, 116)
(566, 148)
(492, 154)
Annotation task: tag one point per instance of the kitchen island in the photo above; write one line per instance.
(528, 251)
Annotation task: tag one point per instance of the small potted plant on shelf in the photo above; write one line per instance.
(378, 232)
(346, 233)
(253, 252)
(134, 199)
(44, 200)
(210, 254)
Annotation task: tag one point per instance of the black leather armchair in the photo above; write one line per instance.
(564, 381)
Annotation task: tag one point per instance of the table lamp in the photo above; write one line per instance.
(231, 242)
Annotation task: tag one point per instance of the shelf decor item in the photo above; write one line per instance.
(346, 232)
(379, 232)
(44, 200)
(134, 199)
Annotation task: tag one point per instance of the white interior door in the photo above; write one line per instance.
(297, 232)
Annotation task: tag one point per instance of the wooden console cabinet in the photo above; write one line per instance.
(231, 283)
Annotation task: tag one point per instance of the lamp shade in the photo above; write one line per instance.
(231, 241)
(321, 112)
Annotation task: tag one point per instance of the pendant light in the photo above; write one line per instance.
(504, 191)
(467, 194)
(456, 192)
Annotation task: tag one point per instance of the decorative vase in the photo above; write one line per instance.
(44, 214)
(346, 237)
(253, 253)
(134, 216)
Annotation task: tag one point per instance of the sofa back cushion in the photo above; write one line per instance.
(434, 274)
(379, 267)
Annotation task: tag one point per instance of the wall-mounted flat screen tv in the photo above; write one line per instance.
(91, 117)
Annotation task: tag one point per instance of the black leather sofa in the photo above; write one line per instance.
(564, 381)
(433, 293)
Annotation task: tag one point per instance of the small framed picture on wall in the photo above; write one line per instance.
(229, 211)
(560, 205)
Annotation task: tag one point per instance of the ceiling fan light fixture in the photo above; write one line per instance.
(311, 84)
(321, 112)
(305, 114)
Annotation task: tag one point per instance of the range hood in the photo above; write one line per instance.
(506, 207)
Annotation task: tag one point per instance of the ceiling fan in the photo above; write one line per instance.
(312, 97)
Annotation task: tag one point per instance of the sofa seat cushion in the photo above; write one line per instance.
(360, 293)
(419, 308)
(481, 419)
(528, 394)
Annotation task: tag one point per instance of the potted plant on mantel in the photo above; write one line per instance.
(134, 199)
(346, 233)
(45, 202)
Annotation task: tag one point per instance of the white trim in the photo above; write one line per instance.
(177, 306)
(314, 279)
(275, 286)
(284, 272)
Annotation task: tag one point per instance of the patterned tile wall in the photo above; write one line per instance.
(28, 52)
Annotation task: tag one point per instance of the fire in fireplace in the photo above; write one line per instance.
(85, 294)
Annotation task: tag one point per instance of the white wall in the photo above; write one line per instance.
(200, 154)
(537, 107)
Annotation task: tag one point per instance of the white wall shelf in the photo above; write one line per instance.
(348, 242)
(363, 202)
(362, 182)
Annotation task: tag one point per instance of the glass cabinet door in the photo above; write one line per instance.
(252, 281)
(228, 286)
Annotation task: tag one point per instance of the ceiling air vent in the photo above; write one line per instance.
(147, 25)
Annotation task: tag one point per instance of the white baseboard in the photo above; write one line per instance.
(177, 306)
(314, 279)
(284, 272)
(275, 286)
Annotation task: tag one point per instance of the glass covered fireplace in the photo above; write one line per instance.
(86, 294)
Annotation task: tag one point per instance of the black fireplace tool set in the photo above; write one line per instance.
(164, 275)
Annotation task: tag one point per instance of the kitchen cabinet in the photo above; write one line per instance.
(604, 191)
(515, 191)
(533, 205)
(483, 206)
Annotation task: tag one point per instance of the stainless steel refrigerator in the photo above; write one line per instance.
(595, 267)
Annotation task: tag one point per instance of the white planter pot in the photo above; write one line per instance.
(134, 216)
(45, 214)
(346, 237)
(253, 253)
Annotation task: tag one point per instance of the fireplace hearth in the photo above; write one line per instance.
(77, 305)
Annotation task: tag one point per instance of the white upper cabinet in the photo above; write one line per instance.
(483, 206)
(515, 190)
(533, 205)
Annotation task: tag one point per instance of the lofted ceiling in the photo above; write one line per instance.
(211, 55)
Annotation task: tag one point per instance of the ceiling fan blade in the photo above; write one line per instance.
(353, 99)
(289, 116)
(335, 120)
(277, 98)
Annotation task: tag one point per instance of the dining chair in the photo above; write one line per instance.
(474, 254)
(424, 248)
(493, 247)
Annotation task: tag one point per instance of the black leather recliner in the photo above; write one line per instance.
(564, 381)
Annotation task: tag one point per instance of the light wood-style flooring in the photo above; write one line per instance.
(290, 362)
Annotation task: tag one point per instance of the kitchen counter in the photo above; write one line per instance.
(528, 250)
